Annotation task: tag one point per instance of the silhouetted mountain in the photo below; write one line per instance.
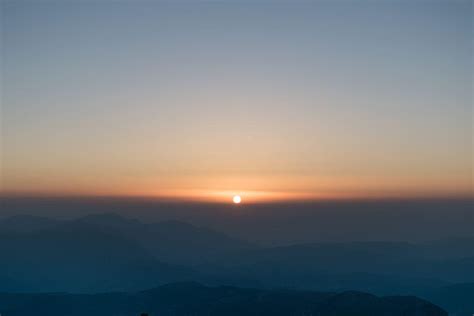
(26, 223)
(457, 298)
(450, 248)
(380, 267)
(107, 252)
(102, 252)
(171, 241)
(195, 299)
(273, 224)
(179, 242)
(109, 220)
(80, 257)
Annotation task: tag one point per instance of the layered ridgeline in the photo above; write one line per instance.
(195, 299)
(104, 253)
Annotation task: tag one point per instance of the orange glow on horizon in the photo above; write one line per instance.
(252, 189)
(250, 197)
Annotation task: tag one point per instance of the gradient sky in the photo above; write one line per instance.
(271, 100)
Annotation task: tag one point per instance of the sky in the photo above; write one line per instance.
(269, 100)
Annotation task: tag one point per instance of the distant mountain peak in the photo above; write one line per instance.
(108, 219)
(26, 223)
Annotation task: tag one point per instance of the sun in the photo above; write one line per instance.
(237, 199)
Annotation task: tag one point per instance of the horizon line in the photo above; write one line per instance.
(190, 200)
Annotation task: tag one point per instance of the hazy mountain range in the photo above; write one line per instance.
(107, 252)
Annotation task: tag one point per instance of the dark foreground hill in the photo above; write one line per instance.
(195, 299)
(458, 299)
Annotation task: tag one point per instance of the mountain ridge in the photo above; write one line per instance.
(180, 299)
